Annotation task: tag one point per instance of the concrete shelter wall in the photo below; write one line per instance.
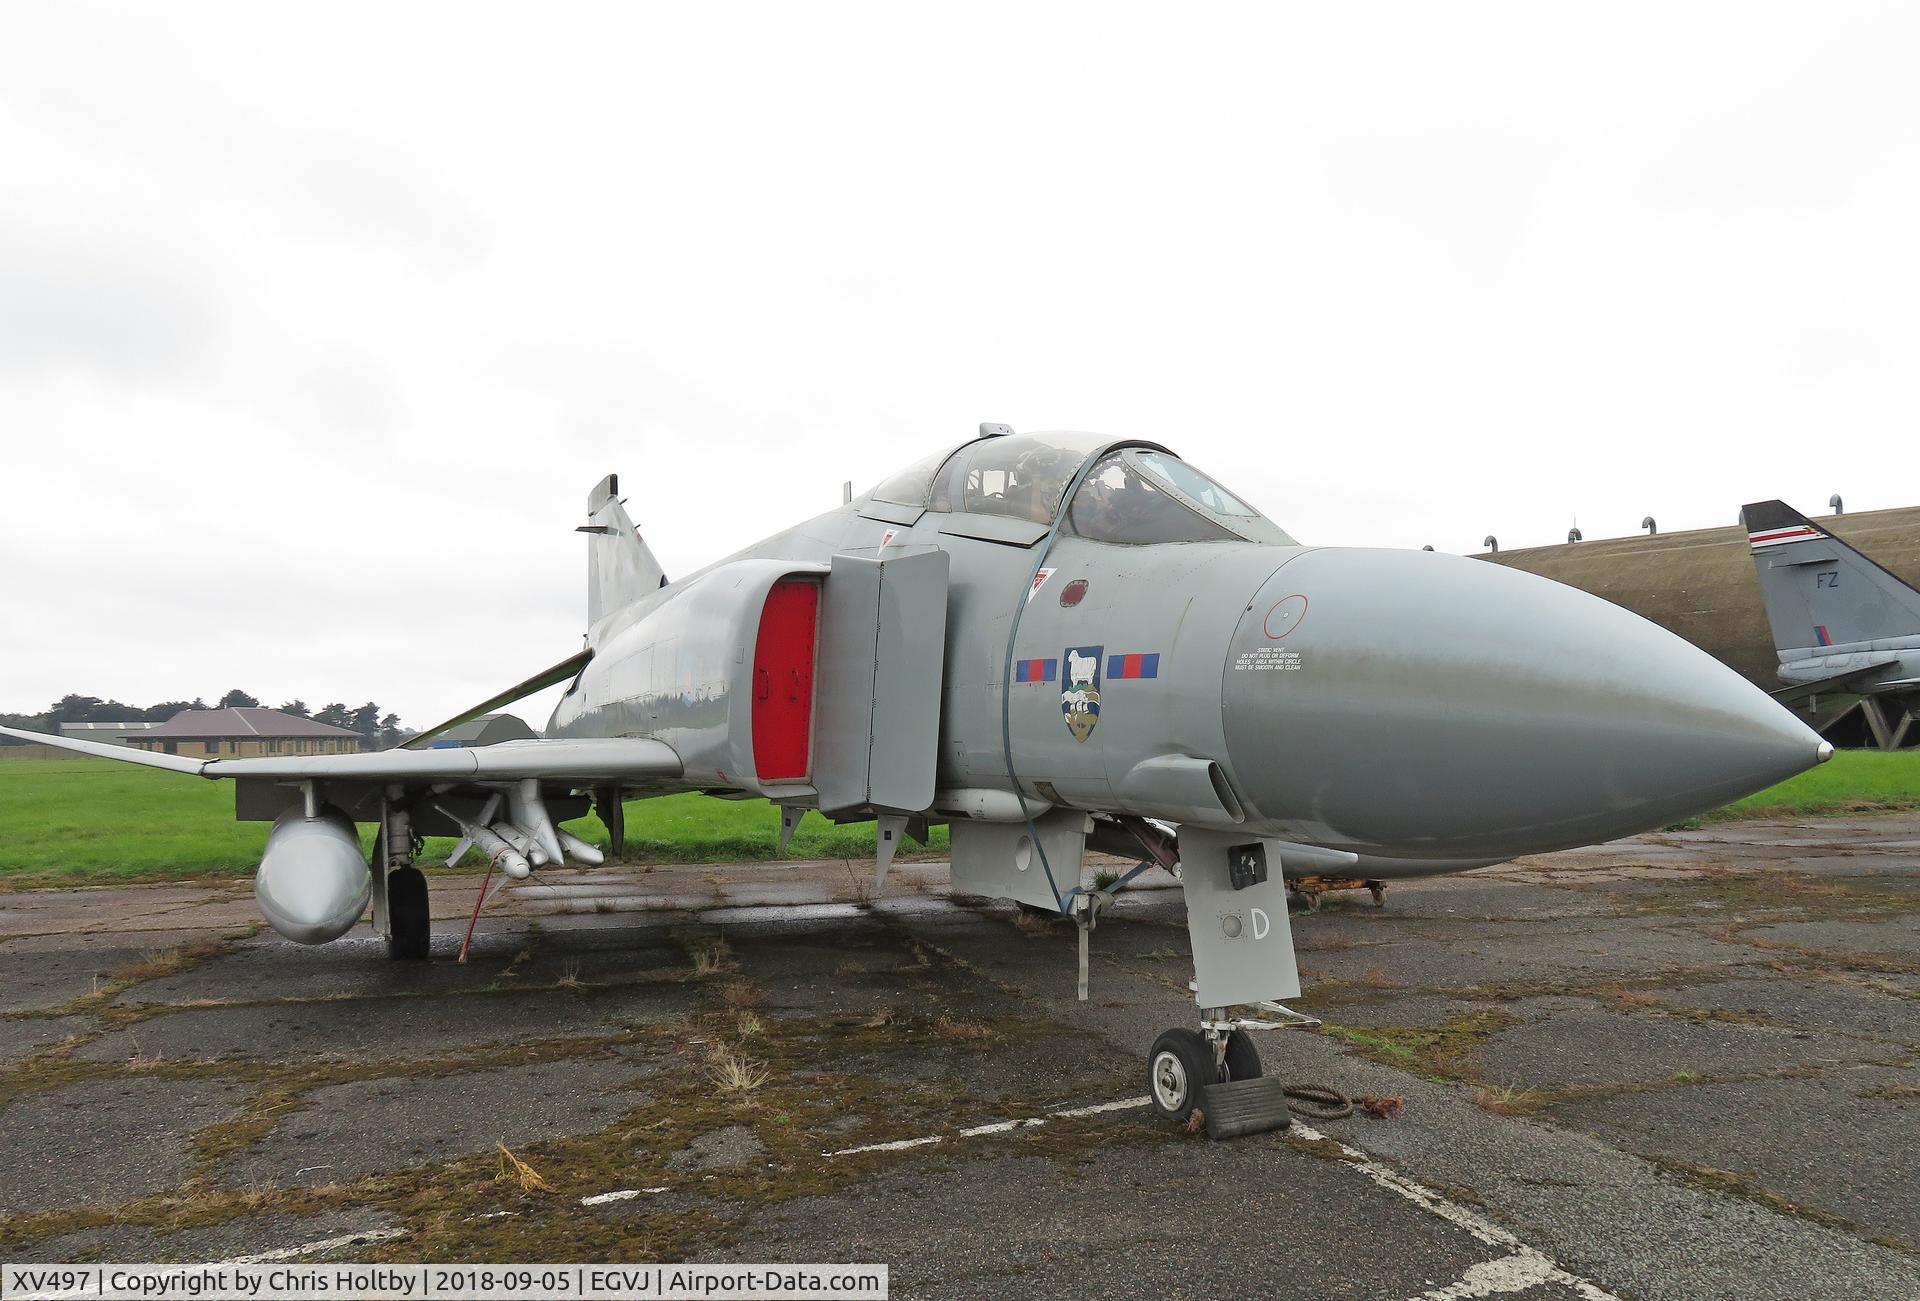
(1701, 584)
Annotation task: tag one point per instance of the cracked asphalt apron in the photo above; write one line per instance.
(1675, 1066)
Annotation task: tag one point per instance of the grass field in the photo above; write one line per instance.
(1853, 781)
(92, 819)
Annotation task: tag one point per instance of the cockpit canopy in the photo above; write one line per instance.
(1137, 493)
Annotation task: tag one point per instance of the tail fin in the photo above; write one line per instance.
(1819, 591)
(620, 568)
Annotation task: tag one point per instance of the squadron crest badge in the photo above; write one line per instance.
(1080, 690)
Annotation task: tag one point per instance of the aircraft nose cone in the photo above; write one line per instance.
(1417, 704)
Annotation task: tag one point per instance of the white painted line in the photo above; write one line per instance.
(1516, 1273)
(1125, 1104)
(308, 1248)
(618, 1195)
(899, 1145)
(1522, 1268)
(997, 1127)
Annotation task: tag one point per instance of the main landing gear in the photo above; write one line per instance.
(400, 910)
(409, 922)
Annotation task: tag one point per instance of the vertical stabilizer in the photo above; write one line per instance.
(620, 568)
(1819, 591)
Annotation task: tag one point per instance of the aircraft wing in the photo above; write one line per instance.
(623, 759)
(100, 750)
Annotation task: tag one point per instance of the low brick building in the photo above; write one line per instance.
(245, 734)
(105, 733)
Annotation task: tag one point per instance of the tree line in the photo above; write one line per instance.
(380, 728)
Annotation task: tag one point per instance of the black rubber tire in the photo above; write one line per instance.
(1243, 1059)
(1179, 1065)
(409, 923)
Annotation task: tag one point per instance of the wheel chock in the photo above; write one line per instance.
(1241, 1107)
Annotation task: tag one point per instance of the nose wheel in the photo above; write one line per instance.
(1182, 1062)
(1179, 1065)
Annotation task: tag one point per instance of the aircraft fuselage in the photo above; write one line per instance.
(1424, 711)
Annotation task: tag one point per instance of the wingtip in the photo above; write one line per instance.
(118, 753)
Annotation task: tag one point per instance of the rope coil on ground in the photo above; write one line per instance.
(1319, 1102)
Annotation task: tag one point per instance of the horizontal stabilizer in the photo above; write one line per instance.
(1838, 682)
(565, 669)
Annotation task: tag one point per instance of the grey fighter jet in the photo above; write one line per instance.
(1057, 643)
(1842, 625)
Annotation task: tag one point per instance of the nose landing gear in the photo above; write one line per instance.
(1236, 900)
(1183, 1062)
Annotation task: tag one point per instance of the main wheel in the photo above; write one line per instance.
(409, 924)
(1243, 1059)
(1179, 1065)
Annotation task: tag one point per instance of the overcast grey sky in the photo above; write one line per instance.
(318, 322)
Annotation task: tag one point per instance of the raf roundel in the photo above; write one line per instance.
(1286, 615)
(1074, 593)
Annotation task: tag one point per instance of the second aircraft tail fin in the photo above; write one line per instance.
(1819, 591)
